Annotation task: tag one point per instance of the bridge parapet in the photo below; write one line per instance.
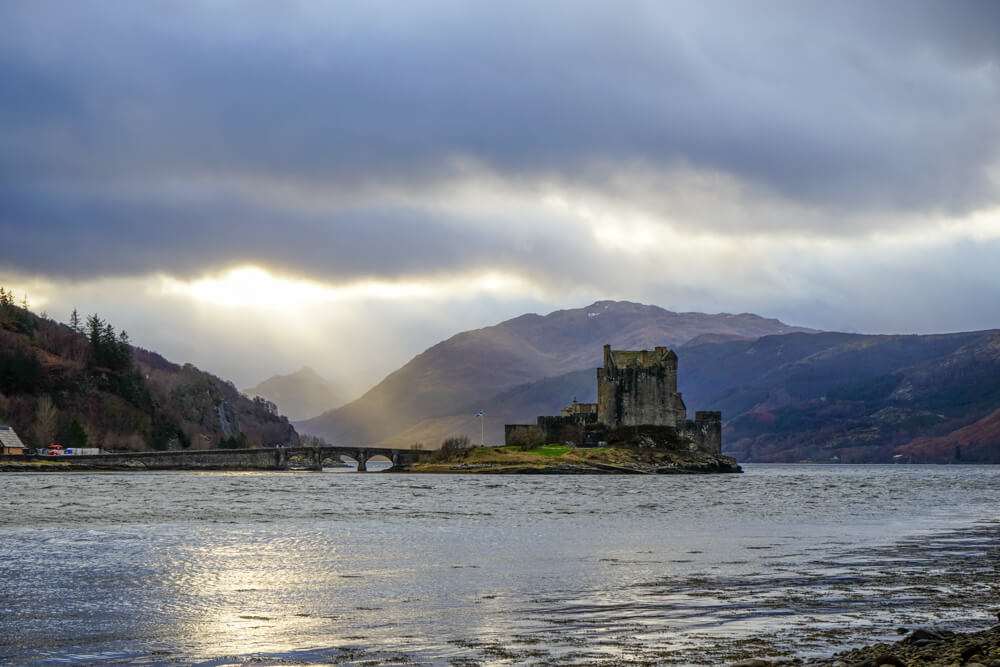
(188, 459)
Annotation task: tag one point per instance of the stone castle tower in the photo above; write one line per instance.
(636, 387)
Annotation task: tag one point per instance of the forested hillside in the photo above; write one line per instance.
(849, 397)
(85, 385)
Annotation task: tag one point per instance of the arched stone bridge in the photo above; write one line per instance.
(316, 455)
(258, 458)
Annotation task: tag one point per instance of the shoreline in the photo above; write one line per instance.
(566, 469)
(920, 646)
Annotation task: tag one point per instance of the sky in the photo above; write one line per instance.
(256, 186)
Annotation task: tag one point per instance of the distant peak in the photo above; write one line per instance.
(608, 304)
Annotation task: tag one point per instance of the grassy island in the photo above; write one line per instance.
(564, 459)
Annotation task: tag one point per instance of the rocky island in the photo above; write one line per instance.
(639, 425)
(569, 460)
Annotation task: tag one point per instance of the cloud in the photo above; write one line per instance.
(696, 155)
(816, 104)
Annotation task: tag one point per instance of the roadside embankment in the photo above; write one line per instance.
(207, 459)
(21, 464)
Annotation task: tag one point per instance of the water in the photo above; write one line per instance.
(232, 568)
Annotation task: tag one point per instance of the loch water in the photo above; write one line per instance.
(341, 568)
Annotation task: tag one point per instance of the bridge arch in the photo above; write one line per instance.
(362, 455)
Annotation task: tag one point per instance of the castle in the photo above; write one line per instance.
(636, 392)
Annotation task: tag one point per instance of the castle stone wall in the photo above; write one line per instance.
(705, 431)
(566, 428)
(521, 434)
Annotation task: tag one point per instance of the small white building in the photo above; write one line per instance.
(9, 442)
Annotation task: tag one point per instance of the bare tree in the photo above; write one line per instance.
(312, 441)
(526, 439)
(456, 447)
(46, 421)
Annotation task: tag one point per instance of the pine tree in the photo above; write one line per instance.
(95, 326)
(108, 335)
(74, 321)
(76, 436)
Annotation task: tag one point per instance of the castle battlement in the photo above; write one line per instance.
(636, 388)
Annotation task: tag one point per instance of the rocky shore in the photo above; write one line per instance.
(919, 647)
(592, 469)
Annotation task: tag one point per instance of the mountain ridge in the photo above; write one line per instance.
(299, 395)
(477, 364)
(822, 397)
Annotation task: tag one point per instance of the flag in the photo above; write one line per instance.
(480, 413)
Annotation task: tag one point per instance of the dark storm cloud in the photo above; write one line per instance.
(852, 107)
(81, 236)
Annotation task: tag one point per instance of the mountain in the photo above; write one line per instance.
(844, 397)
(210, 410)
(976, 443)
(299, 395)
(473, 366)
(820, 397)
(519, 405)
(96, 390)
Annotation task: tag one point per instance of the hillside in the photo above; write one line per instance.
(978, 442)
(840, 397)
(473, 366)
(59, 384)
(518, 405)
(820, 397)
(299, 395)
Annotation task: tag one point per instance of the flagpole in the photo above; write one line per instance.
(482, 431)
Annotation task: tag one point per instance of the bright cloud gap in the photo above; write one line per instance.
(254, 286)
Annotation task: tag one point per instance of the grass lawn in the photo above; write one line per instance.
(551, 451)
(538, 457)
